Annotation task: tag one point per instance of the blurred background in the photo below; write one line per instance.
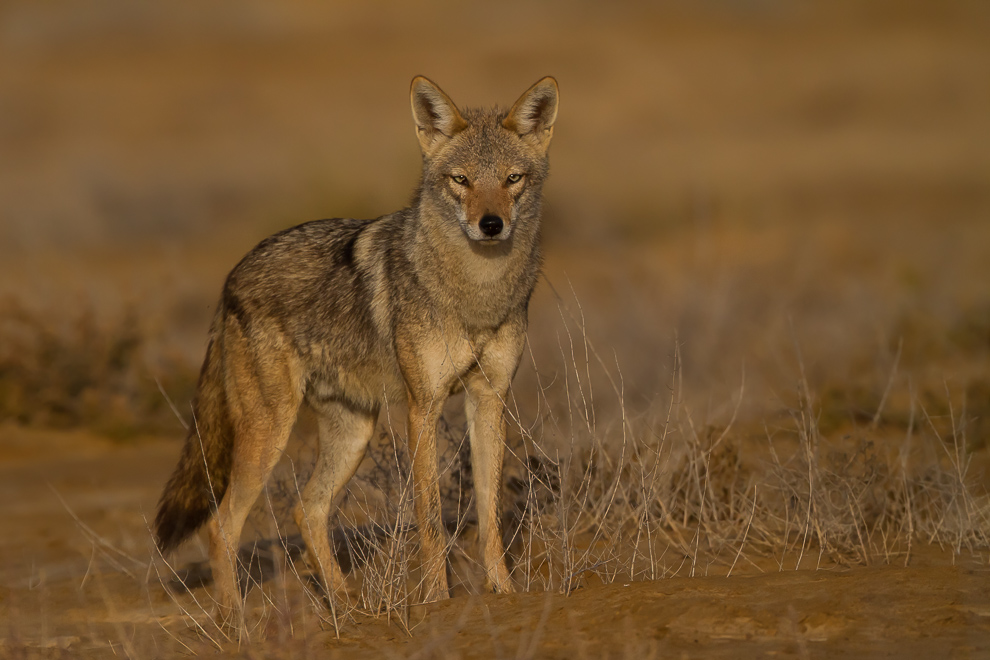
(740, 186)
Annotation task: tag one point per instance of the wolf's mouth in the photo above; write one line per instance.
(491, 240)
(475, 236)
(491, 245)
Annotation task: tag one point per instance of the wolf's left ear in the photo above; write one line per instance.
(437, 118)
(535, 112)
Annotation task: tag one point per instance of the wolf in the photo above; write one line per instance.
(346, 315)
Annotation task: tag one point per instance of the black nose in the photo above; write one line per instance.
(491, 225)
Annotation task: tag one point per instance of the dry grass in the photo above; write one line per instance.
(593, 499)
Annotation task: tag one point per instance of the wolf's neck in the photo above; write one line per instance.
(481, 284)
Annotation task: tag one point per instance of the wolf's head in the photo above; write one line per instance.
(484, 167)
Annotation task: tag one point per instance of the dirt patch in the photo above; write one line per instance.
(78, 583)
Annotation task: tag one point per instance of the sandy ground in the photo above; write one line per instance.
(77, 583)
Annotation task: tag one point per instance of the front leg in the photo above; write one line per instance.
(487, 386)
(430, 362)
(423, 418)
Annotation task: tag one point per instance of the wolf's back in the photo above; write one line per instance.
(201, 477)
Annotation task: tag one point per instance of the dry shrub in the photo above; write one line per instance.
(594, 492)
(594, 498)
(84, 372)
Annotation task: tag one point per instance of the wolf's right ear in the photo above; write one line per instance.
(535, 112)
(437, 118)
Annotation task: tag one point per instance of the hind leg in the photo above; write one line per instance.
(264, 396)
(344, 436)
(250, 471)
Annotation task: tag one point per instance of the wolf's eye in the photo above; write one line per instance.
(514, 178)
(459, 179)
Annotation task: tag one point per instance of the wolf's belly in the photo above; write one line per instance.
(366, 386)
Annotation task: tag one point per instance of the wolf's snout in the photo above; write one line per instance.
(491, 225)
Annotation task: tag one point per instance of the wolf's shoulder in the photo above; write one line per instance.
(315, 233)
(316, 238)
(307, 249)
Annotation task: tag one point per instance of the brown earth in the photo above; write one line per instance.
(77, 584)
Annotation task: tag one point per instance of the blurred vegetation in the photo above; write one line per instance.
(81, 372)
(740, 176)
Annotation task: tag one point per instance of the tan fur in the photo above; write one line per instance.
(349, 314)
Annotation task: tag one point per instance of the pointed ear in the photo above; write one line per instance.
(535, 112)
(437, 118)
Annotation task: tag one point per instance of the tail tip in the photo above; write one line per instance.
(174, 525)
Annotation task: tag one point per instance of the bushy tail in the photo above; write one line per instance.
(201, 477)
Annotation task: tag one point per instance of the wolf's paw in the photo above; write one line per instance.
(436, 592)
(227, 619)
(504, 586)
